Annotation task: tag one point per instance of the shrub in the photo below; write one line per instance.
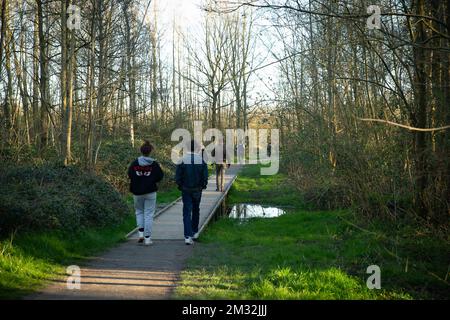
(348, 171)
(51, 197)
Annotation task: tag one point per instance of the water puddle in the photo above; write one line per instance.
(247, 211)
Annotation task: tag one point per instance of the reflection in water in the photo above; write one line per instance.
(245, 211)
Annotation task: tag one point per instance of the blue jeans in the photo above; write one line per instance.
(191, 205)
(145, 206)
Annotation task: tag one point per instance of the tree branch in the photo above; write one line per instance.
(405, 126)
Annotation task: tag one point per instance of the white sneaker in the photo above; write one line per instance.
(196, 235)
(188, 241)
(148, 241)
(141, 237)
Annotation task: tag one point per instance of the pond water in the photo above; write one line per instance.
(246, 211)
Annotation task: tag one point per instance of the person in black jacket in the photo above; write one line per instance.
(144, 174)
(191, 177)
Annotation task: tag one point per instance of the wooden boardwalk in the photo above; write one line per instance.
(132, 271)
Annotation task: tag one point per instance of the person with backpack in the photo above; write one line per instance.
(144, 173)
(192, 178)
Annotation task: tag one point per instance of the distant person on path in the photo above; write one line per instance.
(144, 174)
(191, 177)
(220, 166)
(241, 152)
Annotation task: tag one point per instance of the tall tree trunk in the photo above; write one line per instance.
(70, 89)
(67, 54)
(20, 67)
(3, 17)
(101, 77)
(154, 70)
(180, 105)
(90, 135)
(174, 99)
(130, 73)
(7, 105)
(43, 79)
(63, 81)
(161, 85)
(419, 118)
(2, 29)
(446, 112)
(35, 104)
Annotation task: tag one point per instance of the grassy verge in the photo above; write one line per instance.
(310, 255)
(28, 260)
(253, 187)
(168, 196)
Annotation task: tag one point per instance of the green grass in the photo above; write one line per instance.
(269, 190)
(168, 196)
(28, 260)
(310, 255)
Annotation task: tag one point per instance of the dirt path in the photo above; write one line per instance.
(129, 271)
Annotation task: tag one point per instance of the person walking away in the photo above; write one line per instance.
(220, 166)
(192, 178)
(144, 173)
(241, 152)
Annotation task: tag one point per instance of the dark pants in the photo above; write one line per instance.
(220, 170)
(191, 205)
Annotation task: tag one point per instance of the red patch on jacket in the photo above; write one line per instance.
(143, 170)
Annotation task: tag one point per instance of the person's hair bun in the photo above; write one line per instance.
(146, 148)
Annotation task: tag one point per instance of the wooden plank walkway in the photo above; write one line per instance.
(132, 271)
(169, 224)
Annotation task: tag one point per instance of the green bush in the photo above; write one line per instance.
(51, 197)
(348, 171)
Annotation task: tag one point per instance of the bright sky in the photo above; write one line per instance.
(187, 13)
(188, 16)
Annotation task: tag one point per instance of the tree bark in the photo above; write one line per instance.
(43, 79)
(419, 117)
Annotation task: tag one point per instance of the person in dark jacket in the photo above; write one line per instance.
(144, 174)
(191, 177)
